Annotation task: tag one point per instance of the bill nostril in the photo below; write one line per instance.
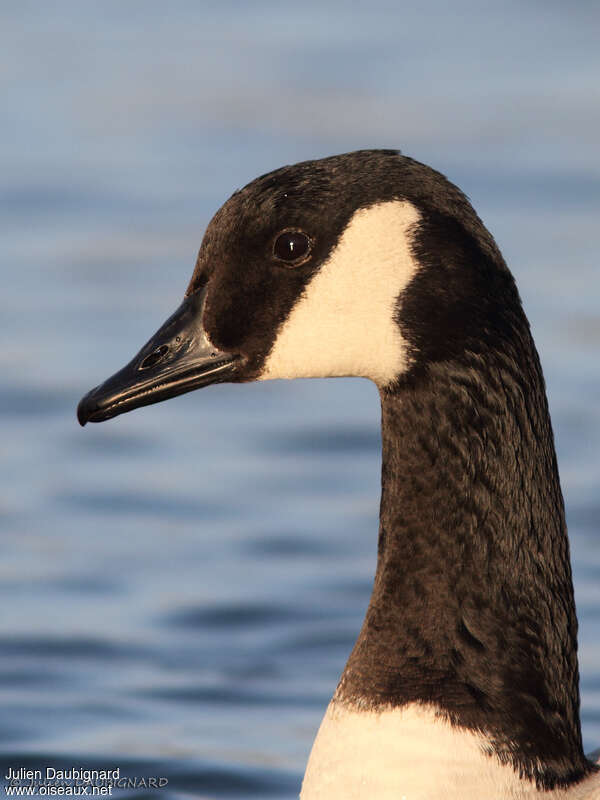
(154, 357)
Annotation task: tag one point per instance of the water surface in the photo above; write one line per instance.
(181, 586)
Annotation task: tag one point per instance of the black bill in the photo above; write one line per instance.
(177, 359)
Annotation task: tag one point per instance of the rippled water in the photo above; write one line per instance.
(181, 586)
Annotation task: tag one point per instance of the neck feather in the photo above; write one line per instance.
(472, 609)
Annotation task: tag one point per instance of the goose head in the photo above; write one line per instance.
(336, 267)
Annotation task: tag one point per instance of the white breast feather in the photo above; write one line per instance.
(411, 753)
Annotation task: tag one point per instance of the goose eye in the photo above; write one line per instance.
(293, 247)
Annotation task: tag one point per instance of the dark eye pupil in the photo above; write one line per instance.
(291, 246)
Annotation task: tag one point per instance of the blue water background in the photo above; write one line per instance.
(180, 587)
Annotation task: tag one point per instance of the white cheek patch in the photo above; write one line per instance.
(343, 323)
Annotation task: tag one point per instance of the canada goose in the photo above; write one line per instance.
(463, 682)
